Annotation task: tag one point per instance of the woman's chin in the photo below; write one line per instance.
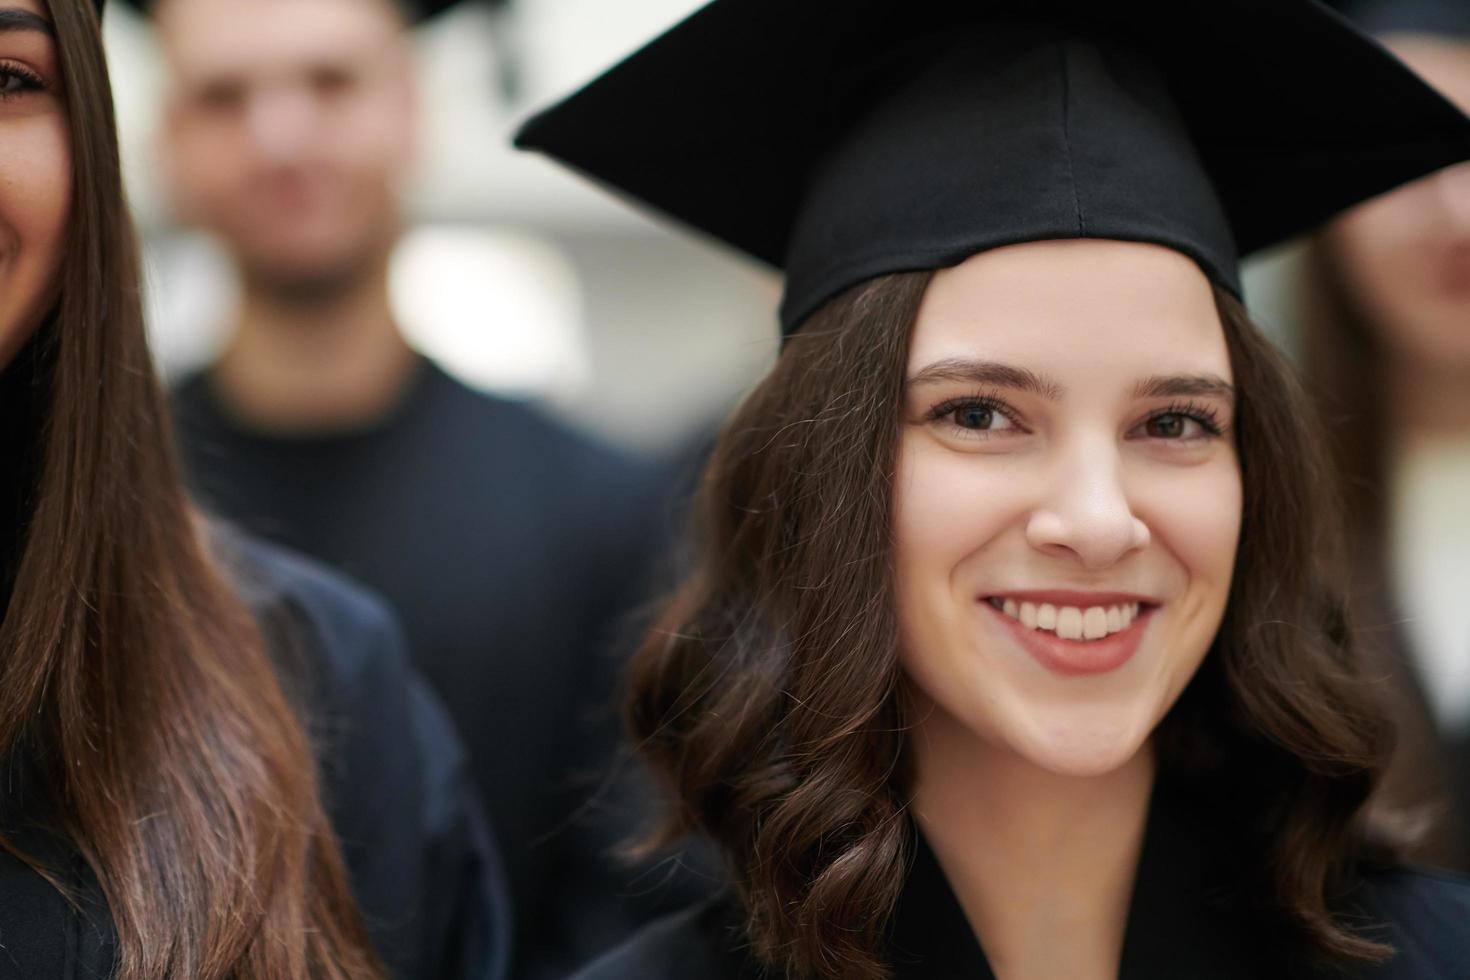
(1083, 750)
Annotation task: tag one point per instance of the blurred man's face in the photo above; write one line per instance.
(289, 128)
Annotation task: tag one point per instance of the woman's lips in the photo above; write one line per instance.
(1078, 656)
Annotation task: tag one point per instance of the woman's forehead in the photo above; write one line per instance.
(1075, 305)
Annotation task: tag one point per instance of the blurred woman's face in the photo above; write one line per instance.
(1067, 499)
(35, 171)
(1405, 256)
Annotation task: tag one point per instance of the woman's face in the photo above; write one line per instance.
(1406, 255)
(1067, 500)
(35, 171)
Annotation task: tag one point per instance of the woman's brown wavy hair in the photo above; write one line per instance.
(132, 679)
(767, 697)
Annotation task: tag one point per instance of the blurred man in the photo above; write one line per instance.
(509, 544)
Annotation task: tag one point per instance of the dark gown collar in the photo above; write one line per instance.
(1182, 922)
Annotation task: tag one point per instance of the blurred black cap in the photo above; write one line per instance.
(844, 139)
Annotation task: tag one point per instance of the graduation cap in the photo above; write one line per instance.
(1449, 17)
(844, 139)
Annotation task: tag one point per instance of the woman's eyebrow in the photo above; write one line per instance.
(991, 373)
(1185, 386)
(12, 19)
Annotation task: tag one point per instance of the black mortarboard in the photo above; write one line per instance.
(843, 139)
(1449, 17)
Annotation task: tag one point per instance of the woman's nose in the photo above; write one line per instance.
(1087, 516)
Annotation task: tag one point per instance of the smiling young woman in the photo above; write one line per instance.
(1017, 646)
(188, 720)
(1104, 488)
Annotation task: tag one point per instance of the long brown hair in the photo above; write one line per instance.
(132, 678)
(767, 696)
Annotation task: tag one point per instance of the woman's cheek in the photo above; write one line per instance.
(949, 504)
(1195, 513)
(35, 203)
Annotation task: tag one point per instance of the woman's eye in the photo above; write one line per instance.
(13, 83)
(1170, 425)
(1179, 426)
(975, 416)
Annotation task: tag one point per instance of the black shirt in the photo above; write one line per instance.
(1182, 924)
(423, 870)
(512, 548)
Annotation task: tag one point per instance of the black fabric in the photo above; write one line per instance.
(512, 549)
(42, 936)
(1449, 17)
(841, 139)
(24, 388)
(1185, 921)
(425, 874)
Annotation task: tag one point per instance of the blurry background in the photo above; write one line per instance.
(518, 277)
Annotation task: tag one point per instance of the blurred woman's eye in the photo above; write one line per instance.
(974, 416)
(16, 81)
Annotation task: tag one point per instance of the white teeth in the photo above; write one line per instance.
(1070, 622)
(1094, 623)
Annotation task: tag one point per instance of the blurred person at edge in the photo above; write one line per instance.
(1385, 308)
(217, 760)
(511, 546)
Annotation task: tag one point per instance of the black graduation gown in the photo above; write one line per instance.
(421, 863)
(1178, 929)
(512, 549)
